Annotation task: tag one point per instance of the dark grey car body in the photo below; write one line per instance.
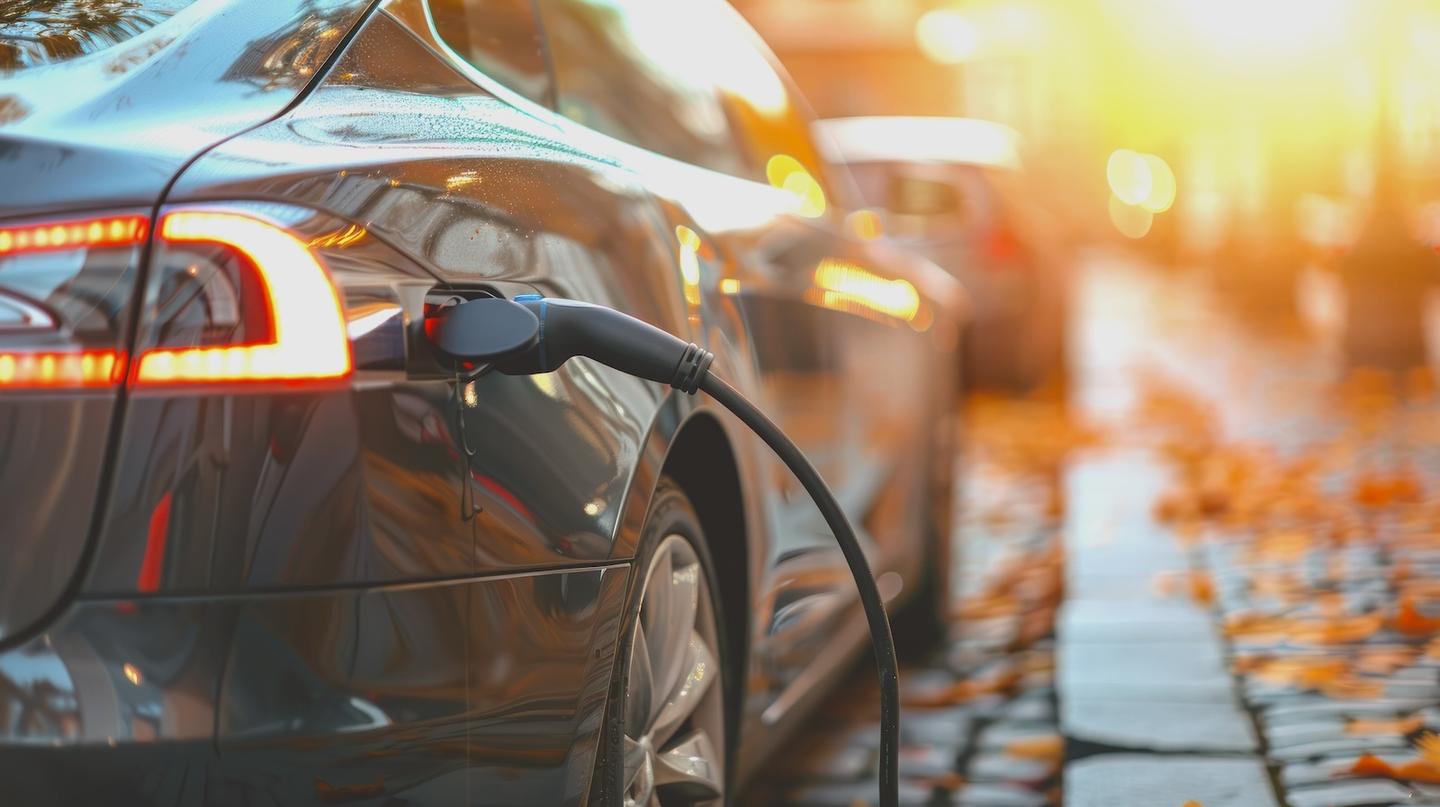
(408, 588)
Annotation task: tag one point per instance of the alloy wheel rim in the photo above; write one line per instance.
(674, 705)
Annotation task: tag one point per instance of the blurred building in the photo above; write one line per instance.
(983, 58)
(856, 57)
(1265, 110)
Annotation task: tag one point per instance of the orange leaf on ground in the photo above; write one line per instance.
(1049, 748)
(946, 781)
(1195, 584)
(966, 690)
(1384, 660)
(1327, 675)
(1402, 726)
(1371, 765)
(1303, 672)
(1419, 770)
(1410, 621)
(1381, 490)
(1339, 630)
(1351, 687)
(1282, 545)
(1251, 625)
(1428, 744)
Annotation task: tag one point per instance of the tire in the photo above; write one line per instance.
(923, 621)
(677, 748)
(922, 624)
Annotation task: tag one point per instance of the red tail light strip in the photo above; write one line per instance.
(61, 369)
(310, 341)
(110, 231)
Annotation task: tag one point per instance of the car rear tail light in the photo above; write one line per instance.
(231, 298)
(65, 288)
(74, 234)
(51, 369)
(252, 304)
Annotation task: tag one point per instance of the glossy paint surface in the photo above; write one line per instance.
(409, 585)
(458, 692)
(114, 127)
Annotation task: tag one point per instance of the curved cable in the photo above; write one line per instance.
(880, 637)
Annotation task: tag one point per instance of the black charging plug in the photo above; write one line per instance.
(533, 334)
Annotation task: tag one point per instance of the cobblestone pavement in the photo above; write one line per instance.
(1223, 589)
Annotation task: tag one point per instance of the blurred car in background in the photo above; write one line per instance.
(952, 190)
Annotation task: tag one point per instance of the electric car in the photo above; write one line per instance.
(262, 544)
(953, 190)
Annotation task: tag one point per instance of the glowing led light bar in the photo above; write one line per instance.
(846, 285)
(108, 231)
(60, 369)
(310, 340)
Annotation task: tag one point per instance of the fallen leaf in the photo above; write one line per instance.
(966, 690)
(1419, 770)
(1371, 765)
(1384, 660)
(1049, 748)
(950, 782)
(1428, 744)
(1197, 585)
(1410, 621)
(1340, 630)
(1401, 726)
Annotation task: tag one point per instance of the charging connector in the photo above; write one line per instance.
(533, 334)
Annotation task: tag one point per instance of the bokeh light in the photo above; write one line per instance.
(1129, 176)
(947, 36)
(1132, 221)
(865, 224)
(788, 174)
(1162, 185)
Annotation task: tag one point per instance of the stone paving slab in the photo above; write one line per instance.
(1151, 780)
(1111, 621)
(1182, 672)
(1165, 726)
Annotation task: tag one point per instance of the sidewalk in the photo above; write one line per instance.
(1212, 581)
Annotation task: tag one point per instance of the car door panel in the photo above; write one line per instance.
(455, 693)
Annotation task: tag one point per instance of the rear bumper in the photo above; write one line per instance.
(480, 691)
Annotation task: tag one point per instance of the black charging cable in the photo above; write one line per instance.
(533, 334)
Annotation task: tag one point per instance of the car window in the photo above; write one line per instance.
(639, 71)
(500, 38)
(34, 33)
(927, 200)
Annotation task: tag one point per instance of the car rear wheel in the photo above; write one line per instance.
(665, 738)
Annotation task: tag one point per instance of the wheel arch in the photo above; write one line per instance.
(702, 461)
